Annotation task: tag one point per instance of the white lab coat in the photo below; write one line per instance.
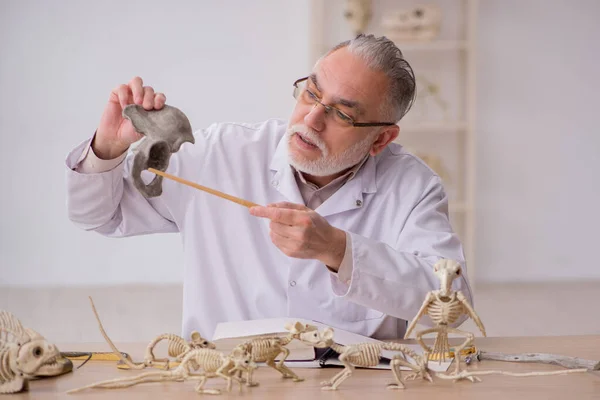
(395, 210)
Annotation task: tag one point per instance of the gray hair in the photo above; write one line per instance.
(381, 54)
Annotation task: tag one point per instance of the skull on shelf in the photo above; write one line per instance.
(420, 23)
(358, 13)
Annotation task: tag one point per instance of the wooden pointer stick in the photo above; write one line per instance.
(204, 188)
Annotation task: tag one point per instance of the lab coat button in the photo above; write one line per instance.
(293, 283)
(358, 203)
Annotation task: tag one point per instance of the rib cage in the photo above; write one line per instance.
(6, 373)
(268, 348)
(176, 344)
(445, 313)
(368, 354)
(208, 360)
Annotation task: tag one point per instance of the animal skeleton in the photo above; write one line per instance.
(267, 349)
(22, 354)
(445, 306)
(369, 355)
(212, 363)
(177, 346)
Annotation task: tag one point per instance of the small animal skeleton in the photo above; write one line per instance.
(212, 363)
(267, 349)
(369, 355)
(165, 130)
(22, 355)
(445, 306)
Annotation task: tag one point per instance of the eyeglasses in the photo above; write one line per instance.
(306, 96)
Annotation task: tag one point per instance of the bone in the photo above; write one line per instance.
(554, 359)
(165, 130)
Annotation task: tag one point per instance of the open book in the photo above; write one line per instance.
(229, 334)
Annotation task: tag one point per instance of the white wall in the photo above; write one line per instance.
(235, 60)
(216, 60)
(538, 140)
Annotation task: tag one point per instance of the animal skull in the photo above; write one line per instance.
(165, 130)
(418, 23)
(198, 342)
(446, 270)
(55, 366)
(358, 13)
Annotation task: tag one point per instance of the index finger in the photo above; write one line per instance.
(282, 215)
(137, 88)
(287, 204)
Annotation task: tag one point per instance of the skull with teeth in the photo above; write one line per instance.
(55, 366)
(24, 353)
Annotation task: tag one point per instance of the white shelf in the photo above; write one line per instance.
(434, 45)
(433, 127)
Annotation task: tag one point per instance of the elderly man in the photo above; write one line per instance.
(351, 224)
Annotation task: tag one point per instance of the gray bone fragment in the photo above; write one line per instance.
(165, 130)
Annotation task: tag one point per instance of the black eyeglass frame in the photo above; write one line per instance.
(329, 108)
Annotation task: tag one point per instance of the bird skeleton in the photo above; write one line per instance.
(444, 307)
(23, 354)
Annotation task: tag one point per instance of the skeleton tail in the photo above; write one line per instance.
(130, 363)
(441, 346)
(154, 376)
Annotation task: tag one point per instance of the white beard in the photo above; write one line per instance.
(326, 165)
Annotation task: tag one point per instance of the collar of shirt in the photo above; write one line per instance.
(314, 195)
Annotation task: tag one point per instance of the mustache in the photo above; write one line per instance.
(309, 134)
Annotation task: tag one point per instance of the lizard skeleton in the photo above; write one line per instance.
(211, 363)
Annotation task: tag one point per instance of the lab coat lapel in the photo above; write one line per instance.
(283, 176)
(350, 195)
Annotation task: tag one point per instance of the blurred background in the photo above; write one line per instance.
(506, 113)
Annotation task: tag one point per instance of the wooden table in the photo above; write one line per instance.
(361, 385)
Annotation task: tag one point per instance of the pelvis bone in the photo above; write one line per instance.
(165, 130)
